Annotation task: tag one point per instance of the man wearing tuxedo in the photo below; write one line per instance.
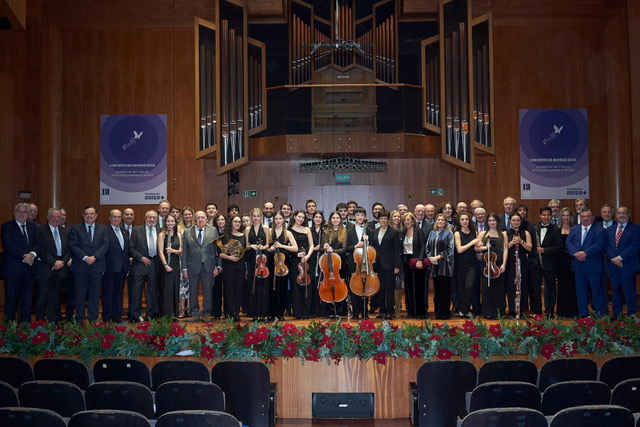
(89, 246)
(547, 254)
(376, 208)
(623, 244)
(117, 268)
(200, 265)
(145, 267)
(21, 245)
(51, 267)
(585, 244)
(354, 241)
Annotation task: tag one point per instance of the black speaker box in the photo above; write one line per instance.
(342, 405)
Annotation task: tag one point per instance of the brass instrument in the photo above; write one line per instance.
(231, 248)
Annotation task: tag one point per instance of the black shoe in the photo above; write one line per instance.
(388, 316)
(380, 316)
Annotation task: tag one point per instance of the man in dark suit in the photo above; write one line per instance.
(606, 217)
(89, 246)
(21, 244)
(143, 248)
(586, 244)
(623, 244)
(51, 267)
(117, 269)
(200, 265)
(374, 222)
(509, 205)
(547, 254)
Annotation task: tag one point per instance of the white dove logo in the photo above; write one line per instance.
(137, 135)
(556, 129)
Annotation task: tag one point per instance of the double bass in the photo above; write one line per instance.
(332, 287)
(364, 282)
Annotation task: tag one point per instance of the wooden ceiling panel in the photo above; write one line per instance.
(146, 14)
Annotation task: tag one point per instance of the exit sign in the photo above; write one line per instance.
(436, 191)
(250, 193)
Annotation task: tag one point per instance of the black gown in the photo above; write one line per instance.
(302, 296)
(493, 302)
(258, 288)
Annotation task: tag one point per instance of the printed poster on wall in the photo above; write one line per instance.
(133, 159)
(554, 154)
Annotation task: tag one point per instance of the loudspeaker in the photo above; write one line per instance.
(342, 405)
(234, 177)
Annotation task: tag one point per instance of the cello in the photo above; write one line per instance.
(332, 287)
(364, 282)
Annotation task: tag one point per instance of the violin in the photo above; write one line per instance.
(332, 288)
(261, 263)
(280, 268)
(364, 282)
(491, 269)
(303, 278)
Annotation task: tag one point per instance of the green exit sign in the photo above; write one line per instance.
(436, 191)
(250, 193)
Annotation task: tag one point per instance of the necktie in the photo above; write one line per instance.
(481, 226)
(24, 232)
(129, 230)
(200, 236)
(508, 220)
(269, 221)
(584, 234)
(90, 231)
(56, 238)
(555, 221)
(152, 243)
(618, 235)
(119, 236)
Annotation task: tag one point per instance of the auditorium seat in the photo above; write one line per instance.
(508, 370)
(618, 369)
(15, 371)
(69, 370)
(249, 395)
(593, 416)
(120, 395)
(121, 369)
(30, 417)
(60, 396)
(573, 369)
(505, 394)
(108, 418)
(440, 391)
(568, 394)
(8, 395)
(505, 417)
(627, 394)
(174, 370)
(198, 419)
(189, 395)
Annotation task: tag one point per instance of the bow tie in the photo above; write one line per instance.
(544, 226)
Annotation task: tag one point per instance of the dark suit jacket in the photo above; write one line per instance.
(47, 255)
(419, 242)
(81, 247)
(15, 246)
(628, 246)
(117, 258)
(593, 245)
(352, 241)
(551, 245)
(139, 248)
(503, 221)
(389, 249)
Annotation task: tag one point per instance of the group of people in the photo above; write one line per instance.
(267, 264)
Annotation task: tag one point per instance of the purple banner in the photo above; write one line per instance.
(133, 159)
(554, 154)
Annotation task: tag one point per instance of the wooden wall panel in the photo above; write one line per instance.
(633, 15)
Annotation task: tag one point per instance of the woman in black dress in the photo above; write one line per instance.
(257, 238)
(567, 299)
(169, 251)
(317, 231)
(519, 244)
(219, 222)
(494, 241)
(302, 294)
(335, 241)
(284, 243)
(465, 261)
(234, 268)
